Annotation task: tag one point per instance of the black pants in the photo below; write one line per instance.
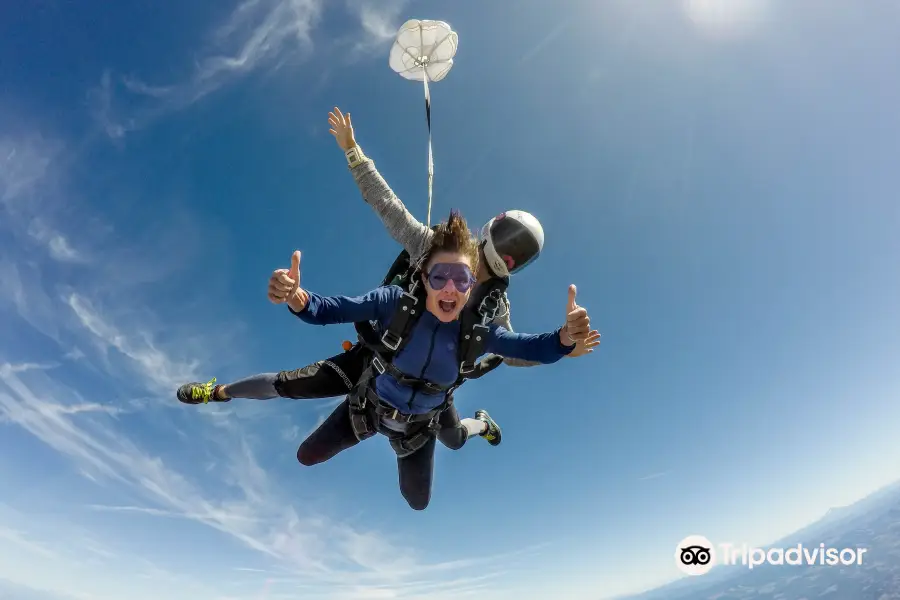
(416, 471)
(337, 375)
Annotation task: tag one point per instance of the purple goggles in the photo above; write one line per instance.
(458, 273)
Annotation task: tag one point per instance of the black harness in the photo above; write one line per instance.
(367, 409)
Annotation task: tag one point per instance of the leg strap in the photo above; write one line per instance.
(362, 413)
(406, 445)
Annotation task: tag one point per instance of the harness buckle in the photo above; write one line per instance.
(379, 366)
(463, 368)
(392, 344)
(490, 306)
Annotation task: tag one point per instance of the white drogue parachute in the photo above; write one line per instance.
(423, 51)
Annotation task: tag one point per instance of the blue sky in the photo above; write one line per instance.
(719, 183)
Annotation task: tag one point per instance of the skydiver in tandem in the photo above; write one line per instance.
(423, 333)
(508, 244)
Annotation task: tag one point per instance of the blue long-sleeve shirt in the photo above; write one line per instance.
(431, 351)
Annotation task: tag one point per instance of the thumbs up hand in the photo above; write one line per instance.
(284, 286)
(578, 323)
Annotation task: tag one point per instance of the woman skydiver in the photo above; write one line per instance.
(507, 246)
(389, 400)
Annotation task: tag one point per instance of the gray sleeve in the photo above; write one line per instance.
(503, 321)
(406, 230)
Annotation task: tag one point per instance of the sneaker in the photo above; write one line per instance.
(198, 393)
(492, 435)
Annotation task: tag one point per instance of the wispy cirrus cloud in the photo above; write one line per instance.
(57, 244)
(236, 498)
(379, 22)
(21, 540)
(310, 547)
(258, 34)
(158, 369)
(9, 368)
(203, 472)
(29, 191)
(45, 558)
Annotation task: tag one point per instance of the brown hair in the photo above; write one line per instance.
(453, 235)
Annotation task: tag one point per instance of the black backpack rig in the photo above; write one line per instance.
(366, 408)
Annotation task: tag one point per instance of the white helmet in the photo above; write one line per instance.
(511, 241)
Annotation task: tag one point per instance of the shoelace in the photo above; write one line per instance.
(204, 392)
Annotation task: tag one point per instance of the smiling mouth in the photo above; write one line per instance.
(447, 306)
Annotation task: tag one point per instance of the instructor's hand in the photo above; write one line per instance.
(578, 323)
(341, 129)
(284, 286)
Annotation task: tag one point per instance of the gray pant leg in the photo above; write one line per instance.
(255, 387)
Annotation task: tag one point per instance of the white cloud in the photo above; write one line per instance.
(9, 368)
(380, 22)
(91, 407)
(13, 536)
(74, 354)
(258, 34)
(291, 434)
(45, 558)
(157, 368)
(23, 163)
(59, 246)
(24, 293)
(27, 189)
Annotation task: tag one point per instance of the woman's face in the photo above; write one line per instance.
(448, 281)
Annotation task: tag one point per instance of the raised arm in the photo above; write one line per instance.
(406, 230)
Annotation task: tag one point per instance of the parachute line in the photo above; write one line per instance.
(430, 156)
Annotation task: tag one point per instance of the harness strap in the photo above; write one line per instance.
(472, 344)
(381, 365)
(367, 409)
(403, 318)
(474, 348)
(405, 446)
(385, 410)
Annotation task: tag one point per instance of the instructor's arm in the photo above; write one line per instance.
(406, 230)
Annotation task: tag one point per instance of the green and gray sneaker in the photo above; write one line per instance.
(198, 393)
(492, 435)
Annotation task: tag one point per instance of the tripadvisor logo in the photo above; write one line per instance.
(696, 555)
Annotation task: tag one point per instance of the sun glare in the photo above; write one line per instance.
(726, 18)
